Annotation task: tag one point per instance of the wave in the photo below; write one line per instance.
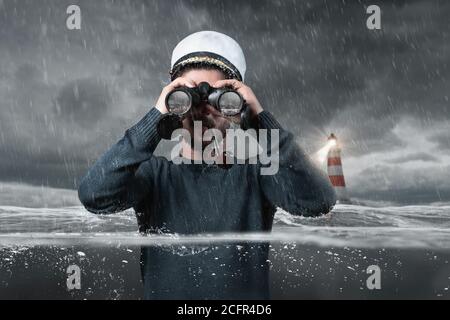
(346, 226)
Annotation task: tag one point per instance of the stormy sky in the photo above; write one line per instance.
(66, 95)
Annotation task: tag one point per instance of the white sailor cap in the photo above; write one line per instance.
(209, 47)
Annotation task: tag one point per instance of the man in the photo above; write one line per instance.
(204, 198)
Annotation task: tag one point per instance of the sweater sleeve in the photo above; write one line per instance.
(115, 183)
(298, 186)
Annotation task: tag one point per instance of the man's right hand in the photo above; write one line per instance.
(178, 82)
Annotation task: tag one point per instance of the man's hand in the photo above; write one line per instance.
(245, 91)
(178, 82)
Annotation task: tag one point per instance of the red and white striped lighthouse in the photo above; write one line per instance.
(335, 172)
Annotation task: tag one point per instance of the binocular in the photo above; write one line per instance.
(183, 99)
(227, 101)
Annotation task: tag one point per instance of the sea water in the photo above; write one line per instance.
(330, 257)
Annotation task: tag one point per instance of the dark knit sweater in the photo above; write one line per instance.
(199, 198)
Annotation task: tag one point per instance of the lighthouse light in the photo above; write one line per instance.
(321, 155)
(332, 142)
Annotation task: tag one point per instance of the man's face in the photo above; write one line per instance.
(207, 114)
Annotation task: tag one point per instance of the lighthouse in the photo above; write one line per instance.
(334, 169)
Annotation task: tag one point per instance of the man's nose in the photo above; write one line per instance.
(204, 109)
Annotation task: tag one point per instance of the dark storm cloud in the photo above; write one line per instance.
(402, 185)
(27, 74)
(83, 101)
(419, 156)
(442, 140)
(67, 95)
